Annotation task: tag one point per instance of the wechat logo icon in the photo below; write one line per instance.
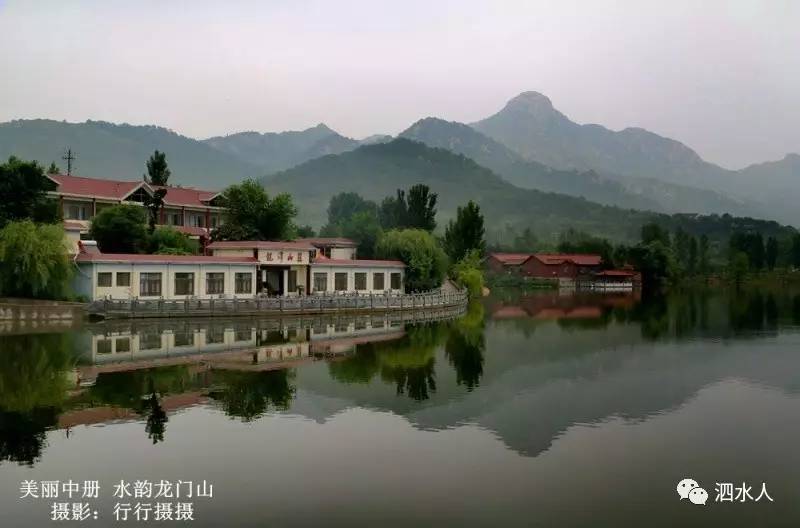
(690, 489)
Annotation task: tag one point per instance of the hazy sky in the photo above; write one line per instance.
(723, 77)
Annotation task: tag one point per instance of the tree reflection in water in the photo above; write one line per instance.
(465, 346)
(249, 395)
(33, 391)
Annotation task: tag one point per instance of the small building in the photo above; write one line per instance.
(506, 262)
(560, 266)
(332, 247)
(235, 269)
(545, 265)
(617, 279)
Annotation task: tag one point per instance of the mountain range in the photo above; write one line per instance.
(528, 144)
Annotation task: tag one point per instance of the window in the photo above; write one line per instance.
(184, 284)
(104, 279)
(360, 280)
(243, 334)
(122, 344)
(215, 335)
(377, 281)
(104, 346)
(197, 220)
(244, 283)
(77, 212)
(175, 219)
(183, 338)
(292, 280)
(321, 282)
(150, 284)
(151, 341)
(124, 278)
(215, 283)
(340, 281)
(396, 283)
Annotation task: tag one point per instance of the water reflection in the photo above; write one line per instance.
(526, 368)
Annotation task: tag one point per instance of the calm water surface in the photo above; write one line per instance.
(544, 410)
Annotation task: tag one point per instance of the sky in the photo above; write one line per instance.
(721, 76)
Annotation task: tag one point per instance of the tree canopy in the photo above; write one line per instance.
(169, 241)
(23, 193)
(33, 260)
(120, 229)
(426, 262)
(465, 233)
(158, 172)
(414, 210)
(251, 214)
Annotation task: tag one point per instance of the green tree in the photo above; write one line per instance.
(426, 262)
(53, 168)
(305, 231)
(703, 257)
(34, 261)
(393, 211)
(655, 261)
(169, 241)
(653, 232)
(771, 253)
(465, 233)
(154, 204)
(467, 273)
(251, 214)
(739, 267)
(158, 172)
(421, 207)
(344, 205)
(23, 193)
(573, 241)
(120, 229)
(691, 265)
(795, 255)
(365, 229)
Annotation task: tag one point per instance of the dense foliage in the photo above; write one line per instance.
(252, 214)
(23, 193)
(466, 233)
(426, 262)
(33, 260)
(120, 229)
(169, 241)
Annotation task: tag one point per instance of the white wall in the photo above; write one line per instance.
(89, 286)
(331, 271)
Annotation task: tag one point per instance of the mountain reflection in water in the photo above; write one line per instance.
(527, 369)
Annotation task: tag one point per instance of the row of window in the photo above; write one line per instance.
(187, 338)
(150, 283)
(84, 212)
(340, 280)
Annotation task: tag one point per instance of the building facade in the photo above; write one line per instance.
(234, 270)
(192, 211)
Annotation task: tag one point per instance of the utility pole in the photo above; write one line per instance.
(69, 157)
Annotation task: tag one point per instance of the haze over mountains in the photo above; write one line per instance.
(528, 143)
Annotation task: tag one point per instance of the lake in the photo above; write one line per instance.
(538, 410)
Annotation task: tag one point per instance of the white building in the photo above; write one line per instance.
(236, 269)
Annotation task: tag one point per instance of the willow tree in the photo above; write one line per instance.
(34, 261)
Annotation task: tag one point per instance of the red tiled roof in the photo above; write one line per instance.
(79, 186)
(161, 259)
(186, 196)
(510, 259)
(119, 190)
(260, 244)
(359, 263)
(329, 241)
(580, 260)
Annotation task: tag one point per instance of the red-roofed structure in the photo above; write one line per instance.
(545, 265)
(191, 211)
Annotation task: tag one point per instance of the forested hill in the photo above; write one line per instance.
(376, 171)
(119, 152)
